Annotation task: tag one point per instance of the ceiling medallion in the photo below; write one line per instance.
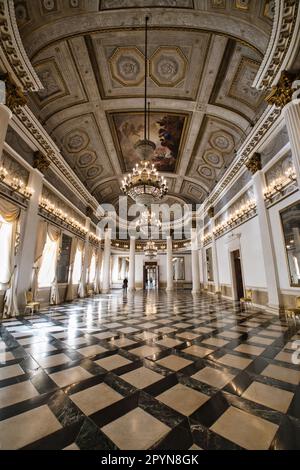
(144, 185)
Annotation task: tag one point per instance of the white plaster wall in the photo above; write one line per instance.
(278, 241)
(251, 255)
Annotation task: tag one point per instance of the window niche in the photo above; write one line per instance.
(290, 220)
(64, 259)
(209, 264)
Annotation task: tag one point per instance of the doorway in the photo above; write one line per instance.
(238, 284)
(151, 275)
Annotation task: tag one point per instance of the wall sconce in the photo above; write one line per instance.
(280, 184)
(15, 184)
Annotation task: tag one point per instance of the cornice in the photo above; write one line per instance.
(44, 143)
(13, 52)
(281, 47)
(268, 119)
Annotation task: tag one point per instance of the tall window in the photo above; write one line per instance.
(92, 273)
(6, 233)
(64, 259)
(48, 267)
(209, 264)
(77, 267)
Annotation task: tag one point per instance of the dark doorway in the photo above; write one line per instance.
(238, 274)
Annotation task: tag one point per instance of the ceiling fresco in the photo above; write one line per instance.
(89, 55)
(166, 131)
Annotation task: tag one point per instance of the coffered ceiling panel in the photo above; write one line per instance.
(214, 150)
(233, 86)
(176, 61)
(116, 4)
(83, 149)
(62, 83)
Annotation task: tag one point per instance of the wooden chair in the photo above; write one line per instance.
(294, 310)
(30, 304)
(248, 297)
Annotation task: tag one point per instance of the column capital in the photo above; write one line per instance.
(14, 95)
(282, 93)
(254, 163)
(40, 162)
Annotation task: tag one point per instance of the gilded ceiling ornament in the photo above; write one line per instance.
(15, 97)
(40, 162)
(254, 163)
(281, 94)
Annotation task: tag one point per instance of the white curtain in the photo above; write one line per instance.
(92, 267)
(70, 295)
(47, 275)
(39, 249)
(97, 286)
(55, 236)
(9, 217)
(81, 287)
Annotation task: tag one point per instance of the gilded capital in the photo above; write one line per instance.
(254, 163)
(40, 162)
(211, 212)
(14, 94)
(282, 93)
(89, 212)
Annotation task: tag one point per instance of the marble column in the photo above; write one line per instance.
(106, 262)
(215, 257)
(123, 269)
(28, 238)
(274, 301)
(291, 113)
(84, 276)
(131, 277)
(170, 284)
(195, 262)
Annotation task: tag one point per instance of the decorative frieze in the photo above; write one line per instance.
(282, 40)
(13, 50)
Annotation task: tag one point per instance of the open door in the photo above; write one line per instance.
(238, 276)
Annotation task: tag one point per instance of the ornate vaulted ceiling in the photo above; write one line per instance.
(203, 57)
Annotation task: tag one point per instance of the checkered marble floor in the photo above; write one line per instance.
(149, 370)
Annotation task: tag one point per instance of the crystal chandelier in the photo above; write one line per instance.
(150, 249)
(144, 185)
(147, 219)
